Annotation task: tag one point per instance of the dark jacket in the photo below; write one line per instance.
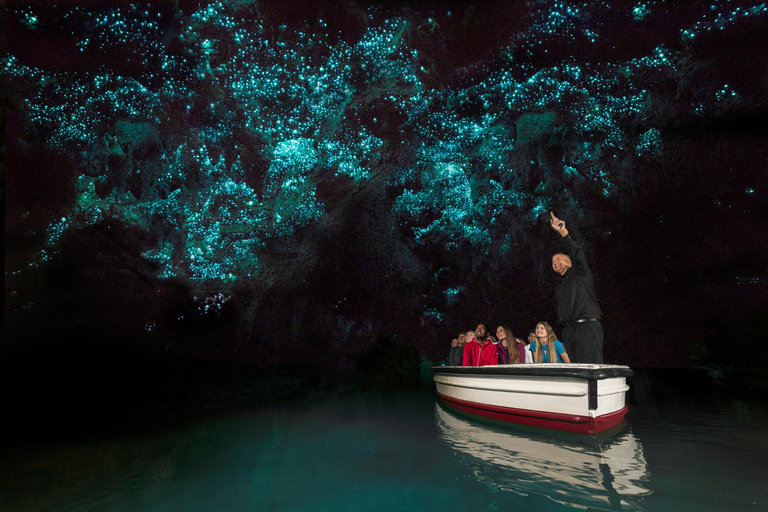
(457, 357)
(576, 288)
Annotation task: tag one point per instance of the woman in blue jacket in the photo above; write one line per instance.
(546, 348)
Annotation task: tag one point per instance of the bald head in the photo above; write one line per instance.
(561, 263)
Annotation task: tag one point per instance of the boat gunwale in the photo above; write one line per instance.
(540, 370)
(572, 394)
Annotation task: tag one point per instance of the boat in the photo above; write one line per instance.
(584, 398)
(607, 471)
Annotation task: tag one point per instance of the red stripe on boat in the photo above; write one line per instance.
(558, 421)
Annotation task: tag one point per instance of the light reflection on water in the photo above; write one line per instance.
(602, 472)
(383, 450)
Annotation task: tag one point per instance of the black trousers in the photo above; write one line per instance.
(584, 342)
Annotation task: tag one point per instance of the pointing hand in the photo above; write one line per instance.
(557, 224)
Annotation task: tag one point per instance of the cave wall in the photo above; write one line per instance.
(276, 182)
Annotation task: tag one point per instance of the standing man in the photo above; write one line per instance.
(577, 309)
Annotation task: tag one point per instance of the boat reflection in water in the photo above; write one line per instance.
(604, 471)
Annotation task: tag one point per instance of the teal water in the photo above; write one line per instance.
(387, 450)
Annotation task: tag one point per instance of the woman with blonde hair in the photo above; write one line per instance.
(545, 348)
(471, 351)
(510, 350)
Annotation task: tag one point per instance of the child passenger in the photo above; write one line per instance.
(545, 347)
(511, 351)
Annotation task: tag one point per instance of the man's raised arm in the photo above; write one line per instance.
(574, 249)
(558, 225)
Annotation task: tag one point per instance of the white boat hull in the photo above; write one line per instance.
(576, 398)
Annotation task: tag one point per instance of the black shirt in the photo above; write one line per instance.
(576, 288)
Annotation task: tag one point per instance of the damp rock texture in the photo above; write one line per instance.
(281, 182)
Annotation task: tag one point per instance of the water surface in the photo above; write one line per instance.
(397, 449)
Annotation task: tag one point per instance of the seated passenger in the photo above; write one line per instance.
(489, 336)
(470, 357)
(452, 352)
(525, 355)
(481, 332)
(502, 346)
(527, 342)
(488, 354)
(546, 348)
(511, 351)
(458, 355)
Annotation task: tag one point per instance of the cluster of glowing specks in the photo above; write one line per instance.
(722, 14)
(640, 11)
(447, 196)
(289, 184)
(293, 95)
(649, 143)
(224, 126)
